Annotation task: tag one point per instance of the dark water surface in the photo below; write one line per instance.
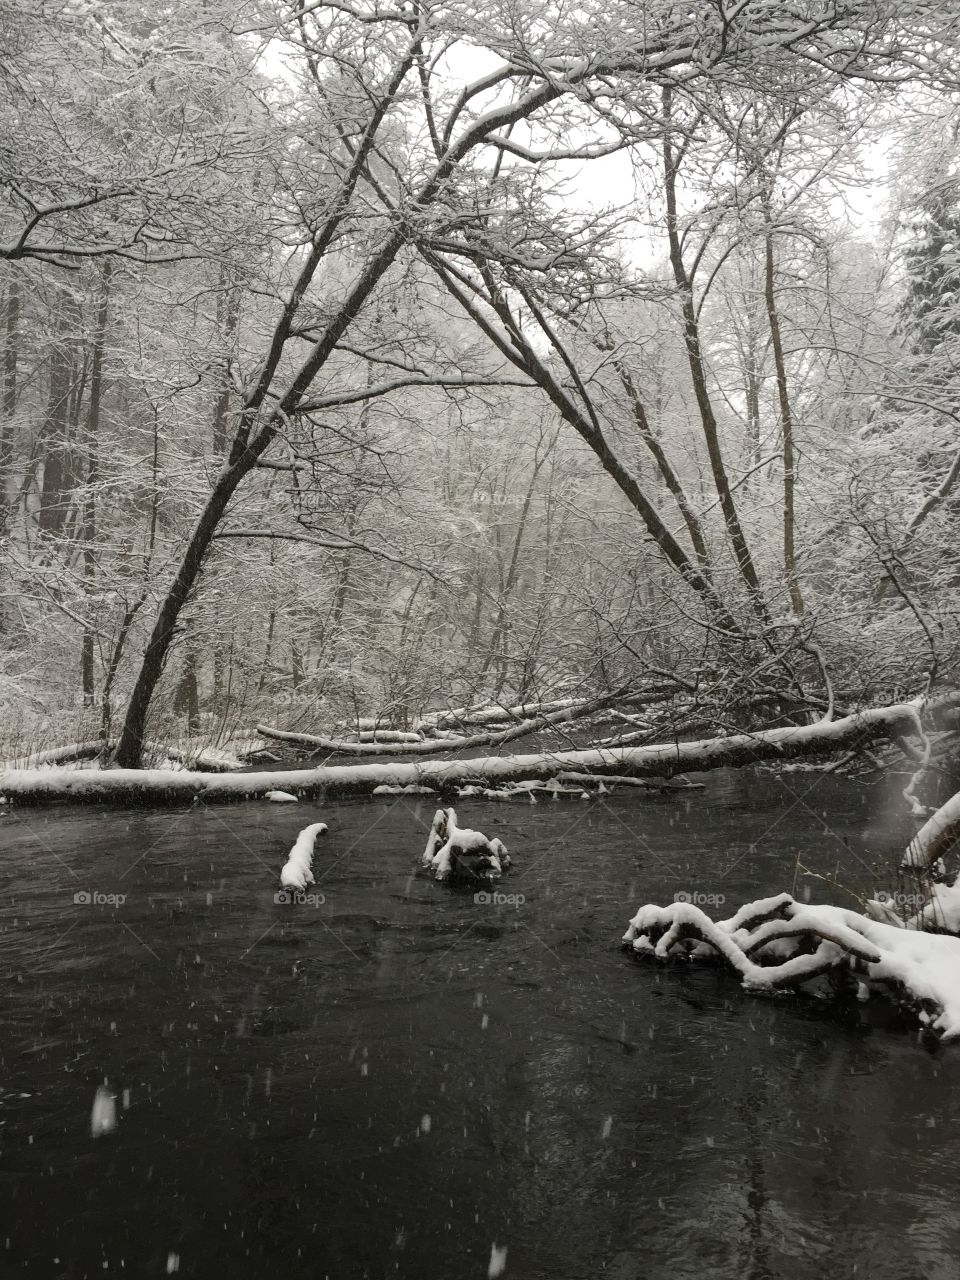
(391, 1082)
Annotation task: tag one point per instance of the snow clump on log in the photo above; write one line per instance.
(297, 873)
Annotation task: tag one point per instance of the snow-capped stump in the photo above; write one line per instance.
(297, 873)
(457, 853)
(777, 944)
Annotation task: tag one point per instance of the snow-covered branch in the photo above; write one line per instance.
(777, 943)
(375, 390)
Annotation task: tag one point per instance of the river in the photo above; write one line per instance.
(394, 1080)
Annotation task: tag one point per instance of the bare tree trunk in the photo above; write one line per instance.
(514, 345)
(186, 700)
(131, 737)
(267, 650)
(698, 372)
(297, 672)
(8, 395)
(751, 393)
(87, 677)
(500, 638)
(669, 476)
(786, 418)
(53, 436)
(228, 314)
(106, 707)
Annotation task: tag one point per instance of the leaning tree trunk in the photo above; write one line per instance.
(698, 371)
(252, 439)
(130, 745)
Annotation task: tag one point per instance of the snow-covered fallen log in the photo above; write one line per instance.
(317, 743)
(647, 784)
(660, 760)
(491, 713)
(365, 724)
(388, 736)
(777, 944)
(459, 853)
(297, 871)
(71, 754)
(494, 713)
(202, 759)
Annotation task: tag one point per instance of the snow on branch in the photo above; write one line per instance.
(939, 835)
(777, 944)
(332, 544)
(460, 382)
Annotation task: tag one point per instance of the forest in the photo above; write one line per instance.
(457, 373)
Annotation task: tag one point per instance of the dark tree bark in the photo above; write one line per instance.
(186, 700)
(87, 664)
(53, 436)
(786, 417)
(8, 394)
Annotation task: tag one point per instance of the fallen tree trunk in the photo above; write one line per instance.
(619, 780)
(492, 714)
(386, 735)
(663, 760)
(201, 759)
(72, 754)
(437, 746)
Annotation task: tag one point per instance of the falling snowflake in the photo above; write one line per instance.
(498, 1261)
